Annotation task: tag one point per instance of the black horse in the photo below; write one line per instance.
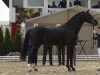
(65, 35)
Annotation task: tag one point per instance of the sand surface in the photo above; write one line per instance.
(20, 68)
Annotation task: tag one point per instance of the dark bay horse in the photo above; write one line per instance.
(65, 35)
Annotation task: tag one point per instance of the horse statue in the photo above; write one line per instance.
(65, 35)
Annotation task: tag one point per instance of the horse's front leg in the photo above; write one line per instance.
(68, 58)
(71, 59)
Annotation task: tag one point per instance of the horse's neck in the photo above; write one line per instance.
(77, 27)
(74, 25)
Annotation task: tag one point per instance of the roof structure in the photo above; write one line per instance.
(6, 2)
(4, 13)
(95, 13)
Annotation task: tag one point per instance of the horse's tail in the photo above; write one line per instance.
(24, 50)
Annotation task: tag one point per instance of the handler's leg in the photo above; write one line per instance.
(63, 55)
(74, 55)
(59, 55)
(30, 58)
(98, 49)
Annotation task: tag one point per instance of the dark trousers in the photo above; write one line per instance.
(36, 55)
(61, 55)
(47, 48)
(74, 55)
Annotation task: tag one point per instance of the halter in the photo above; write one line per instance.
(93, 20)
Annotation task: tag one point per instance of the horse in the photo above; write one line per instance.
(65, 35)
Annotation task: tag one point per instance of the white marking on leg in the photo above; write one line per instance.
(35, 68)
(29, 67)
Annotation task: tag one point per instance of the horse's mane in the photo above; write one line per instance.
(73, 18)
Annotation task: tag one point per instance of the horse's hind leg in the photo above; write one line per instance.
(29, 67)
(30, 60)
(32, 57)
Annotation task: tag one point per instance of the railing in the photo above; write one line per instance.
(55, 57)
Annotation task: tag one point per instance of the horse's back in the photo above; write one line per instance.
(52, 35)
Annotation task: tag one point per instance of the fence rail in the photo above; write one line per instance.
(55, 57)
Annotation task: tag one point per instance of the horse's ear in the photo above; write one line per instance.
(87, 11)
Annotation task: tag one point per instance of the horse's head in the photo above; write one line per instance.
(87, 17)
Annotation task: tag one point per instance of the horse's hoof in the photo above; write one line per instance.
(35, 69)
(73, 69)
(36, 65)
(29, 70)
(69, 69)
(98, 69)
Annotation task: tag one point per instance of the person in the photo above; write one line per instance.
(49, 6)
(17, 8)
(97, 32)
(53, 5)
(62, 4)
(74, 54)
(97, 6)
(77, 2)
(70, 4)
(47, 48)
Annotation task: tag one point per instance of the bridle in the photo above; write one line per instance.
(92, 21)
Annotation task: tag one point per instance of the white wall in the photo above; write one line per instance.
(17, 3)
(94, 2)
(12, 13)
